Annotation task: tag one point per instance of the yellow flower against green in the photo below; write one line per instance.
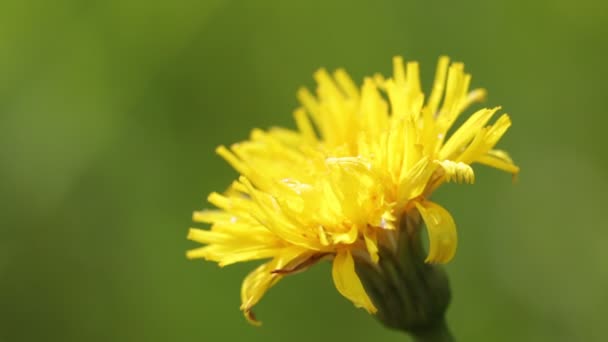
(361, 160)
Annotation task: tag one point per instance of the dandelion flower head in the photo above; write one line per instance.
(360, 161)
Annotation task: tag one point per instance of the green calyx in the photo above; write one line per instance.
(411, 295)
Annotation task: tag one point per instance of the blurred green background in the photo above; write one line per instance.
(110, 112)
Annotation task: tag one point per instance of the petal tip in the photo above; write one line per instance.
(250, 317)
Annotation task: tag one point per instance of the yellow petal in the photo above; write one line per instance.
(271, 217)
(254, 287)
(371, 243)
(263, 278)
(206, 236)
(456, 88)
(309, 102)
(475, 95)
(211, 216)
(457, 171)
(233, 160)
(465, 133)
(304, 125)
(441, 231)
(348, 237)
(348, 283)
(415, 181)
(227, 246)
(438, 84)
(346, 83)
(498, 129)
(485, 140)
(500, 160)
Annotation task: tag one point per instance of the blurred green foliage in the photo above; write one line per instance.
(110, 112)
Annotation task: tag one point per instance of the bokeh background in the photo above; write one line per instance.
(110, 112)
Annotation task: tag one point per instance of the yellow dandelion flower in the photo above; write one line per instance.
(337, 187)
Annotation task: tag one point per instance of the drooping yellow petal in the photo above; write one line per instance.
(263, 278)
(255, 286)
(348, 283)
(441, 231)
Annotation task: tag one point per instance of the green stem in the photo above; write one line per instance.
(439, 333)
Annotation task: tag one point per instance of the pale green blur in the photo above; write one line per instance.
(110, 112)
